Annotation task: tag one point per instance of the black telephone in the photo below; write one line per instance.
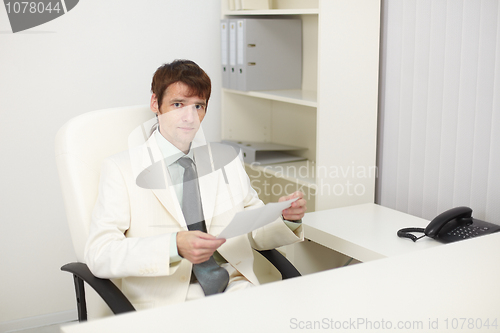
(451, 226)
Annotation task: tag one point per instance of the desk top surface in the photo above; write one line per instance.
(453, 287)
(365, 232)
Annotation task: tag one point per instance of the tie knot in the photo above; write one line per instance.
(185, 162)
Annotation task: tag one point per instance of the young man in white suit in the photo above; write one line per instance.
(139, 236)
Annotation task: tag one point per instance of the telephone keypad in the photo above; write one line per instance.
(466, 231)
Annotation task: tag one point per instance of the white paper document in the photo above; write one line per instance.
(248, 220)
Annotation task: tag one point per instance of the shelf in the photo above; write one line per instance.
(294, 96)
(307, 11)
(338, 129)
(301, 172)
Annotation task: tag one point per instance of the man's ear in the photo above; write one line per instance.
(153, 105)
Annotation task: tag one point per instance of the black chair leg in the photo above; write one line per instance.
(80, 299)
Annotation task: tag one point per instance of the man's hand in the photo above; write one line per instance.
(298, 208)
(197, 246)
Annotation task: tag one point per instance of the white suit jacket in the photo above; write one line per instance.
(131, 227)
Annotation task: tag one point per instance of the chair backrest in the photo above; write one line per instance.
(81, 146)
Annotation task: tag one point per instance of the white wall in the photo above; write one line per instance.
(100, 54)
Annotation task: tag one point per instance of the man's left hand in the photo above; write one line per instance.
(298, 208)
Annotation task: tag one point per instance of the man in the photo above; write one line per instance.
(160, 240)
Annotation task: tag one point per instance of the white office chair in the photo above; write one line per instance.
(81, 146)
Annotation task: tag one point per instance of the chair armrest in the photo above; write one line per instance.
(110, 293)
(281, 263)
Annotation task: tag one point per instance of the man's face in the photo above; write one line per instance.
(180, 115)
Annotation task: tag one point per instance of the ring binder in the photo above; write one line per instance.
(269, 54)
(233, 78)
(224, 34)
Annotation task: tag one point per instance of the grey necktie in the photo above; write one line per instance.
(212, 278)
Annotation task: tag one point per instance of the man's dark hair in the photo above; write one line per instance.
(185, 71)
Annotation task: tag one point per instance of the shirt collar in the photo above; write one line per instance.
(170, 152)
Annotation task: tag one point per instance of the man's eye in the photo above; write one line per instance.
(177, 105)
(198, 107)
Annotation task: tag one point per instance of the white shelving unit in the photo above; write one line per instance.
(334, 115)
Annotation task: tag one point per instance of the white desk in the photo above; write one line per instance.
(428, 290)
(364, 232)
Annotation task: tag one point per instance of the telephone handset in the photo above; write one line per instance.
(451, 226)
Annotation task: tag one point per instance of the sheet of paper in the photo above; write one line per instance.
(248, 220)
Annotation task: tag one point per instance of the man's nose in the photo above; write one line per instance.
(189, 113)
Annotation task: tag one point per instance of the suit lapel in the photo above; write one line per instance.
(165, 192)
